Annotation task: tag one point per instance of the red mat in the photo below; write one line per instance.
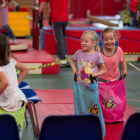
(38, 56)
(60, 102)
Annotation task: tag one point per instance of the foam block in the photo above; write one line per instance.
(74, 33)
(38, 56)
(18, 47)
(138, 59)
(129, 45)
(50, 43)
(73, 45)
(130, 34)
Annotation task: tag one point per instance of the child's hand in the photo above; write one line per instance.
(93, 75)
(124, 72)
(74, 70)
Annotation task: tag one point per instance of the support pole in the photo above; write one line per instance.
(138, 14)
(35, 30)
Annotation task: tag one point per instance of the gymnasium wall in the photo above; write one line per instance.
(97, 7)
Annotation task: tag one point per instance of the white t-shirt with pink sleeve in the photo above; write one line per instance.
(111, 64)
(11, 99)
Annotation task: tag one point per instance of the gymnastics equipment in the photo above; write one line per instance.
(18, 47)
(35, 31)
(19, 23)
(105, 22)
(78, 127)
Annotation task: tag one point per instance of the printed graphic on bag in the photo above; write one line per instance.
(109, 102)
(93, 109)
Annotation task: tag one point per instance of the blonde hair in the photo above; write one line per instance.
(109, 29)
(93, 36)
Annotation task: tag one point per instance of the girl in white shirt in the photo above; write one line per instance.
(12, 99)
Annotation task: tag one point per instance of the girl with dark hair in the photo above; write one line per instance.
(12, 99)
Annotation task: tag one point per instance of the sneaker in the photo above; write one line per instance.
(15, 41)
(63, 62)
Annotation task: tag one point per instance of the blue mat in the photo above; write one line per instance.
(29, 92)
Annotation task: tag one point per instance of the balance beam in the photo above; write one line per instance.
(97, 20)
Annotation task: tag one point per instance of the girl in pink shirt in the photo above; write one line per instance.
(112, 55)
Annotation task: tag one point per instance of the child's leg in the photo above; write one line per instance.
(10, 32)
(19, 115)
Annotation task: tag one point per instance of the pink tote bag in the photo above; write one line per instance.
(112, 99)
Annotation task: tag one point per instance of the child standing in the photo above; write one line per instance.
(125, 14)
(12, 98)
(112, 55)
(89, 61)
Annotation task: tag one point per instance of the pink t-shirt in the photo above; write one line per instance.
(111, 64)
(3, 16)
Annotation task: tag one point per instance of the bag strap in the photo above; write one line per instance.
(91, 79)
(122, 77)
(103, 80)
(75, 77)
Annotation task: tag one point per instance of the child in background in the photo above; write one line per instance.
(112, 55)
(4, 19)
(89, 61)
(12, 99)
(125, 14)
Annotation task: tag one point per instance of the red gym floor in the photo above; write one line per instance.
(60, 102)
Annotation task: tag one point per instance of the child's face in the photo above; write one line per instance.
(86, 43)
(109, 40)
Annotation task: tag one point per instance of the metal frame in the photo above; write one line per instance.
(34, 119)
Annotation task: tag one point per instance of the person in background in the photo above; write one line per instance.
(4, 20)
(59, 19)
(133, 11)
(48, 5)
(41, 4)
(125, 14)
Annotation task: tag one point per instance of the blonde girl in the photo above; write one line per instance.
(88, 59)
(86, 99)
(112, 55)
(12, 99)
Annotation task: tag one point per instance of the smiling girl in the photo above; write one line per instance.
(86, 99)
(88, 59)
(112, 55)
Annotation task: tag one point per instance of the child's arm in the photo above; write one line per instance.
(3, 4)
(101, 72)
(3, 82)
(23, 71)
(124, 66)
(41, 7)
(72, 64)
